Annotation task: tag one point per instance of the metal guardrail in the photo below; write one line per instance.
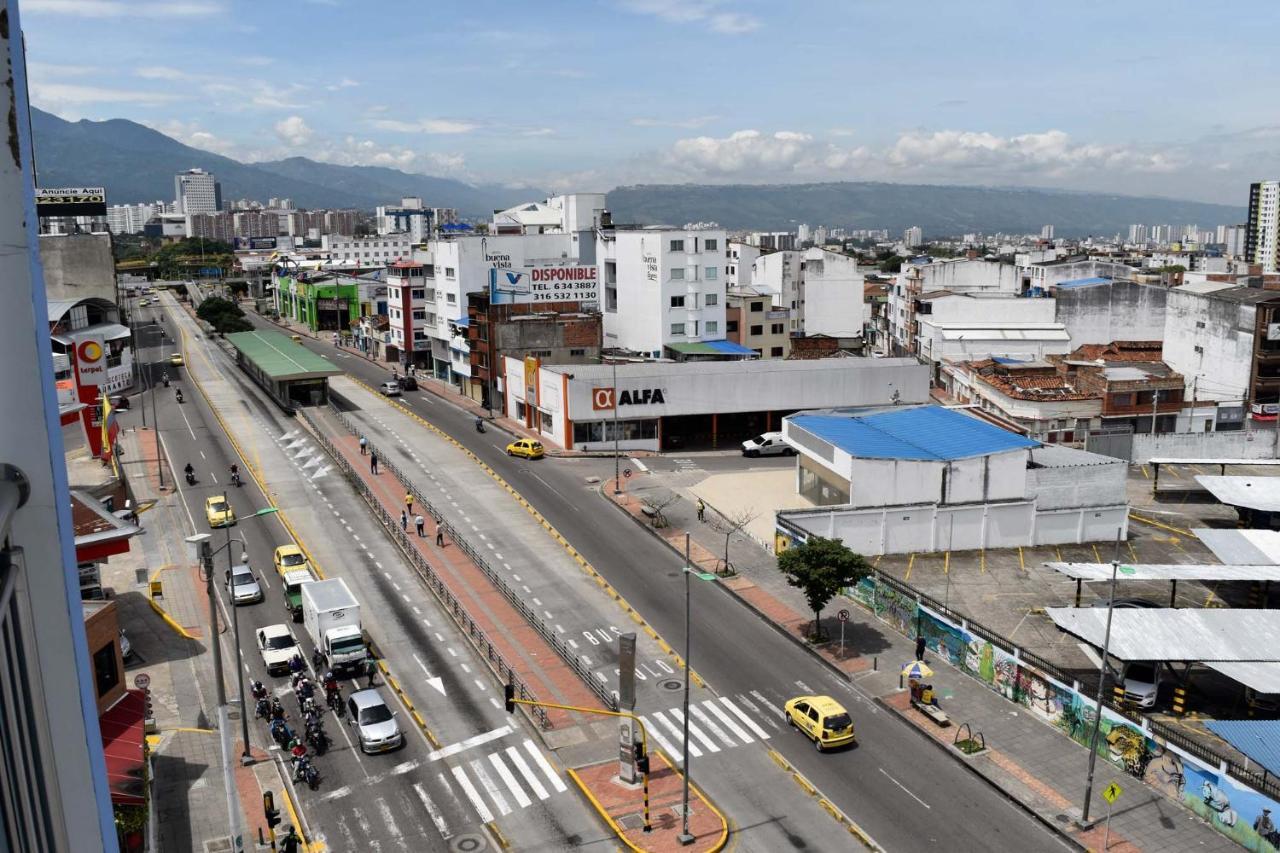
(1260, 780)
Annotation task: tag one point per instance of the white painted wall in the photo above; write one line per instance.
(833, 297)
(1221, 369)
(1117, 311)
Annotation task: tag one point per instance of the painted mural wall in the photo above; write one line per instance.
(1235, 810)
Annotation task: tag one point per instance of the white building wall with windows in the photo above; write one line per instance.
(378, 250)
(738, 264)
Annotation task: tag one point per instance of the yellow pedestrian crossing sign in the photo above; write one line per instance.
(1112, 792)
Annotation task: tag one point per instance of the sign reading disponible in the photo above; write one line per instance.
(544, 284)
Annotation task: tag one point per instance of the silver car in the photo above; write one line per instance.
(390, 388)
(243, 586)
(374, 722)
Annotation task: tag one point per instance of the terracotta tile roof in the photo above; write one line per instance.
(1148, 351)
(1038, 384)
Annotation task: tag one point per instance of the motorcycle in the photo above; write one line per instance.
(235, 478)
(479, 425)
(191, 478)
(317, 659)
(262, 710)
(281, 733)
(178, 394)
(334, 701)
(305, 771)
(317, 739)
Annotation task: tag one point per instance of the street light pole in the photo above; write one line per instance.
(1102, 682)
(685, 837)
(617, 463)
(246, 757)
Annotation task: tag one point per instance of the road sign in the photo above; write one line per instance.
(626, 472)
(1112, 792)
(843, 615)
(142, 681)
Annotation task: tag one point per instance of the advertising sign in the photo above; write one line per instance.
(603, 398)
(531, 366)
(544, 284)
(1273, 331)
(71, 201)
(91, 361)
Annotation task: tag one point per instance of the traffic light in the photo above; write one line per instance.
(642, 760)
(509, 692)
(269, 810)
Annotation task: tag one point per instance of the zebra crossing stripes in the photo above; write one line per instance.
(714, 724)
(491, 785)
(477, 803)
(696, 732)
(495, 793)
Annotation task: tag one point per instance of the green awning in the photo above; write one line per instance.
(280, 358)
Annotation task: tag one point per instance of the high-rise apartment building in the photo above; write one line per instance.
(196, 191)
(1046, 233)
(1263, 230)
(913, 236)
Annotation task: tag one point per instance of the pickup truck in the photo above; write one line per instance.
(278, 647)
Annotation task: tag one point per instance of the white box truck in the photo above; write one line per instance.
(331, 616)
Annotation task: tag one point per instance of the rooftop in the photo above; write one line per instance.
(1141, 351)
(910, 432)
(281, 358)
(1033, 381)
(667, 368)
(1084, 282)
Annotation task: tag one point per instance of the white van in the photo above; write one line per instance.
(767, 444)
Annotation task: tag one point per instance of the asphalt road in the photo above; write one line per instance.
(900, 788)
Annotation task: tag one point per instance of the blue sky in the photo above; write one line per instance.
(1174, 99)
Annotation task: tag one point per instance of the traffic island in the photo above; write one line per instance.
(621, 806)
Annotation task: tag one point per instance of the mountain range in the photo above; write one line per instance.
(137, 164)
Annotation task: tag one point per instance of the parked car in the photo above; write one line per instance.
(1129, 603)
(278, 647)
(390, 388)
(1142, 681)
(526, 447)
(822, 719)
(374, 722)
(767, 444)
(243, 586)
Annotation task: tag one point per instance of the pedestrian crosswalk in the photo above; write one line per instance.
(714, 725)
(506, 780)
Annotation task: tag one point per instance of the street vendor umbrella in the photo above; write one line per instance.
(917, 670)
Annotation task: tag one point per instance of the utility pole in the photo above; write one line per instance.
(1155, 402)
(246, 757)
(1102, 683)
(617, 473)
(685, 838)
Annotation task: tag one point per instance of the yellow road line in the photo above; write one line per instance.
(982, 561)
(1160, 524)
(1097, 558)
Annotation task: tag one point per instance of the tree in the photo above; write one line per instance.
(821, 568)
(733, 522)
(893, 263)
(225, 316)
(655, 504)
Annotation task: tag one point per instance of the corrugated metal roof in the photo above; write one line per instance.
(913, 432)
(281, 358)
(1261, 676)
(1258, 739)
(1182, 634)
(1167, 572)
(1255, 547)
(1259, 493)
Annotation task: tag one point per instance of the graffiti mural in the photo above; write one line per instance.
(1240, 813)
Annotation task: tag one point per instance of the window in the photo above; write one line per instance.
(577, 352)
(711, 274)
(419, 314)
(677, 274)
(775, 352)
(419, 293)
(448, 272)
(709, 246)
(712, 299)
(677, 246)
(105, 671)
(677, 329)
(757, 307)
(713, 327)
(776, 328)
(757, 330)
(451, 298)
(677, 302)
(731, 326)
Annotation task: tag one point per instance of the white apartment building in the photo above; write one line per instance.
(737, 264)
(971, 326)
(1262, 237)
(574, 212)
(833, 295)
(132, 218)
(409, 217)
(955, 275)
(662, 286)
(196, 191)
(913, 236)
(378, 250)
(781, 275)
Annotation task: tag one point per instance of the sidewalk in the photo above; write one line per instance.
(1029, 761)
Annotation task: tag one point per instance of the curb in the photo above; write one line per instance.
(829, 807)
(942, 747)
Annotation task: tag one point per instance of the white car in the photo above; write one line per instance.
(767, 444)
(390, 388)
(278, 647)
(243, 586)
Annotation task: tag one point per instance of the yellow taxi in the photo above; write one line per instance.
(176, 359)
(526, 447)
(219, 512)
(289, 558)
(822, 719)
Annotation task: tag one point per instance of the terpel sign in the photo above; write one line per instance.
(602, 398)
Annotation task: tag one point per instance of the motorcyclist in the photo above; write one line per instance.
(189, 471)
(258, 689)
(177, 393)
(296, 666)
(164, 377)
(330, 686)
(479, 424)
(235, 474)
(277, 710)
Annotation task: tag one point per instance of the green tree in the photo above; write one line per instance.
(225, 316)
(821, 568)
(893, 263)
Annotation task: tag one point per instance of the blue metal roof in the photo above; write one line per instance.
(729, 347)
(1001, 359)
(916, 432)
(1258, 739)
(1083, 282)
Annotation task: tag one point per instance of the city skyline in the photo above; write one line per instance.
(573, 97)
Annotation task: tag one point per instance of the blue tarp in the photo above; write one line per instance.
(918, 432)
(1258, 739)
(1083, 282)
(729, 347)
(462, 322)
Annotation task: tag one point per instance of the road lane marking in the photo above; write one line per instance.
(676, 732)
(763, 735)
(388, 820)
(711, 724)
(472, 794)
(542, 762)
(514, 756)
(500, 801)
(512, 785)
(906, 789)
(436, 817)
(463, 745)
(694, 730)
(655, 732)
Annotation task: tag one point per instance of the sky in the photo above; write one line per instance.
(1175, 99)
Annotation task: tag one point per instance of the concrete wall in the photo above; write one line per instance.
(1075, 486)
(833, 303)
(1239, 444)
(1120, 311)
(77, 266)
(1221, 370)
(966, 275)
(967, 308)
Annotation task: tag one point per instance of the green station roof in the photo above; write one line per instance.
(280, 358)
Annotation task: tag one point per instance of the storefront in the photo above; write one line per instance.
(693, 405)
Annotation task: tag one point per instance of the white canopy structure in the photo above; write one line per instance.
(1167, 572)
(1183, 634)
(1236, 546)
(1261, 494)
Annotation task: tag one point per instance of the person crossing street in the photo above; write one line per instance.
(422, 526)
(408, 502)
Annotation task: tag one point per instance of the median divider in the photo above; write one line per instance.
(829, 807)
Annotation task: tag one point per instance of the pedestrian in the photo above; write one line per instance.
(370, 668)
(439, 534)
(702, 510)
(408, 501)
(404, 520)
(920, 647)
(291, 842)
(364, 445)
(422, 526)
(373, 461)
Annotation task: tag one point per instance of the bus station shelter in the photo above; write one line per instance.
(292, 374)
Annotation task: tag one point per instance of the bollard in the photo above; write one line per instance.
(1179, 701)
(875, 664)
(1117, 692)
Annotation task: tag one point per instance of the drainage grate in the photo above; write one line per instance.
(469, 843)
(631, 821)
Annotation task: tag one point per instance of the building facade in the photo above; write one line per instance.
(833, 301)
(1262, 233)
(373, 251)
(752, 320)
(196, 191)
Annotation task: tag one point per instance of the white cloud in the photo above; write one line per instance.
(161, 72)
(1051, 153)
(53, 69)
(683, 124)
(708, 13)
(61, 95)
(750, 152)
(432, 126)
(344, 83)
(117, 9)
(294, 131)
(352, 151)
(538, 131)
(190, 133)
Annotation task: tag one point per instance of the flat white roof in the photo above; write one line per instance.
(1168, 572)
(1181, 634)
(1003, 333)
(754, 367)
(1260, 493)
(1256, 547)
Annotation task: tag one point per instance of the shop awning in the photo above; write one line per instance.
(123, 745)
(1258, 739)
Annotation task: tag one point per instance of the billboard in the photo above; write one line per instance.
(71, 201)
(91, 361)
(578, 283)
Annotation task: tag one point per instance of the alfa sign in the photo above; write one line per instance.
(603, 398)
(91, 362)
